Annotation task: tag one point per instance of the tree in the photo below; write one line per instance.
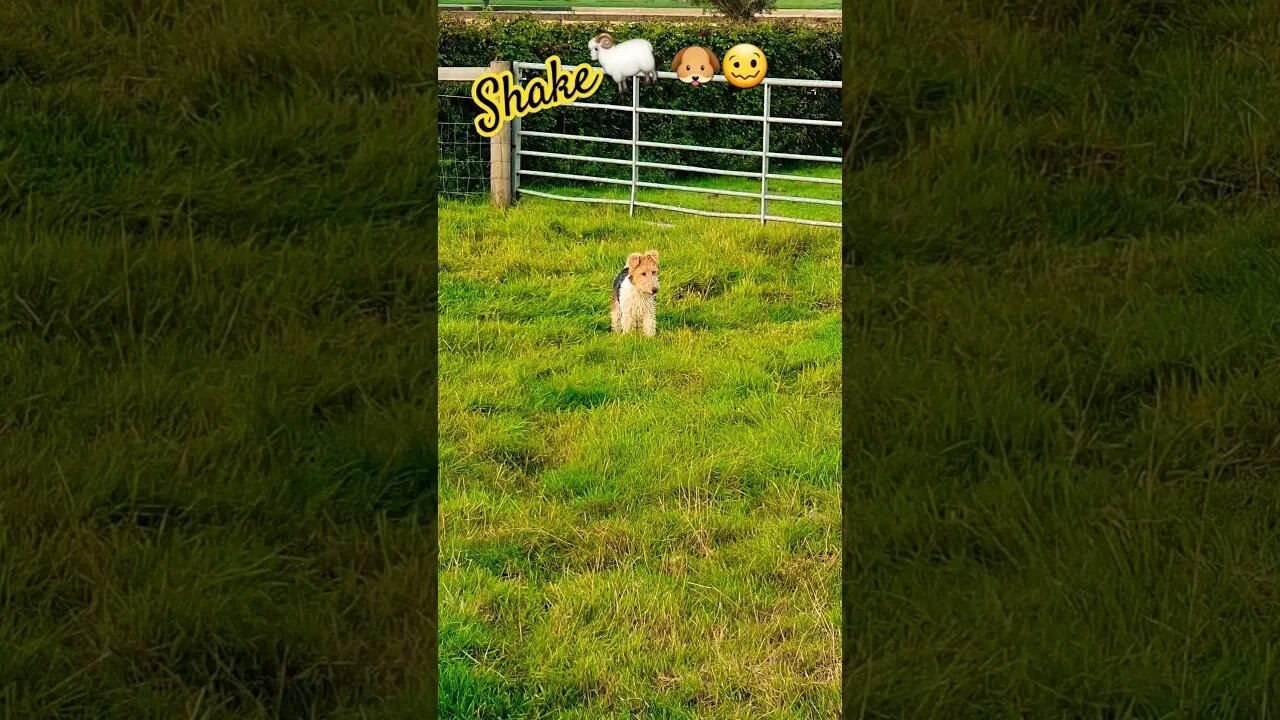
(744, 10)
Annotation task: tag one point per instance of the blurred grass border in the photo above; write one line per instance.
(1061, 290)
(433, 312)
(218, 467)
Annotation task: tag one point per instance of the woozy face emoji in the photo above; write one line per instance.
(745, 66)
(695, 65)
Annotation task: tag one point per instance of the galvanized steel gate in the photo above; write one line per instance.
(636, 110)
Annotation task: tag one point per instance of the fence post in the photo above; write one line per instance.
(500, 155)
(764, 160)
(635, 140)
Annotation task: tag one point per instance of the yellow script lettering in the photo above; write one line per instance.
(502, 100)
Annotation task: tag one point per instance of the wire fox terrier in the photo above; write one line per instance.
(635, 292)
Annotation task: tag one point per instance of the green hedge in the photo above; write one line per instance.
(795, 50)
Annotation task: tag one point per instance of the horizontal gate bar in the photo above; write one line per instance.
(805, 178)
(674, 208)
(567, 176)
(694, 113)
(669, 146)
(813, 158)
(780, 82)
(620, 141)
(691, 188)
(562, 136)
(723, 116)
(598, 106)
(688, 211)
(799, 221)
(787, 82)
(811, 201)
(792, 82)
(460, 74)
(674, 146)
(802, 121)
(690, 168)
(704, 213)
(553, 196)
(586, 158)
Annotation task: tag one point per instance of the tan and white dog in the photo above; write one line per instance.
(635, 292)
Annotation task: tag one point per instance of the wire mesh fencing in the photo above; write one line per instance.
(464, 154)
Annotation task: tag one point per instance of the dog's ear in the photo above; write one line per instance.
(715, 64)
(653, 255)
(633, 260)
(675, 64)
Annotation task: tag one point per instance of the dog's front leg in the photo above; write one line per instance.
(626, 319)
(650, 323)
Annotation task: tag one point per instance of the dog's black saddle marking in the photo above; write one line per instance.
(617, 283)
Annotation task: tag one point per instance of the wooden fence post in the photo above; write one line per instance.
(500, 154)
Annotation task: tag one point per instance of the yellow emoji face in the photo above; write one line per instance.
(745, 66)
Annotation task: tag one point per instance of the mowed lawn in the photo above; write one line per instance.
(636, 527)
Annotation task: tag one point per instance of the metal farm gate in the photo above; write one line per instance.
(635, 163)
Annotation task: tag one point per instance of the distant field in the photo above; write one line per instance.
(637, 527)
(561, 5)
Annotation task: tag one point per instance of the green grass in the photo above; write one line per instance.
(217, 472)
(637, 527)
(1062, 395)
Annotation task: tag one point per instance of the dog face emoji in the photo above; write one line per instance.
(695, 65)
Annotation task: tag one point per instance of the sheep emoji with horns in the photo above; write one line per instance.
(622, 60)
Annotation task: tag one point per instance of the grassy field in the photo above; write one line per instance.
(637, 527)
(217, 468)
(1062, 394)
